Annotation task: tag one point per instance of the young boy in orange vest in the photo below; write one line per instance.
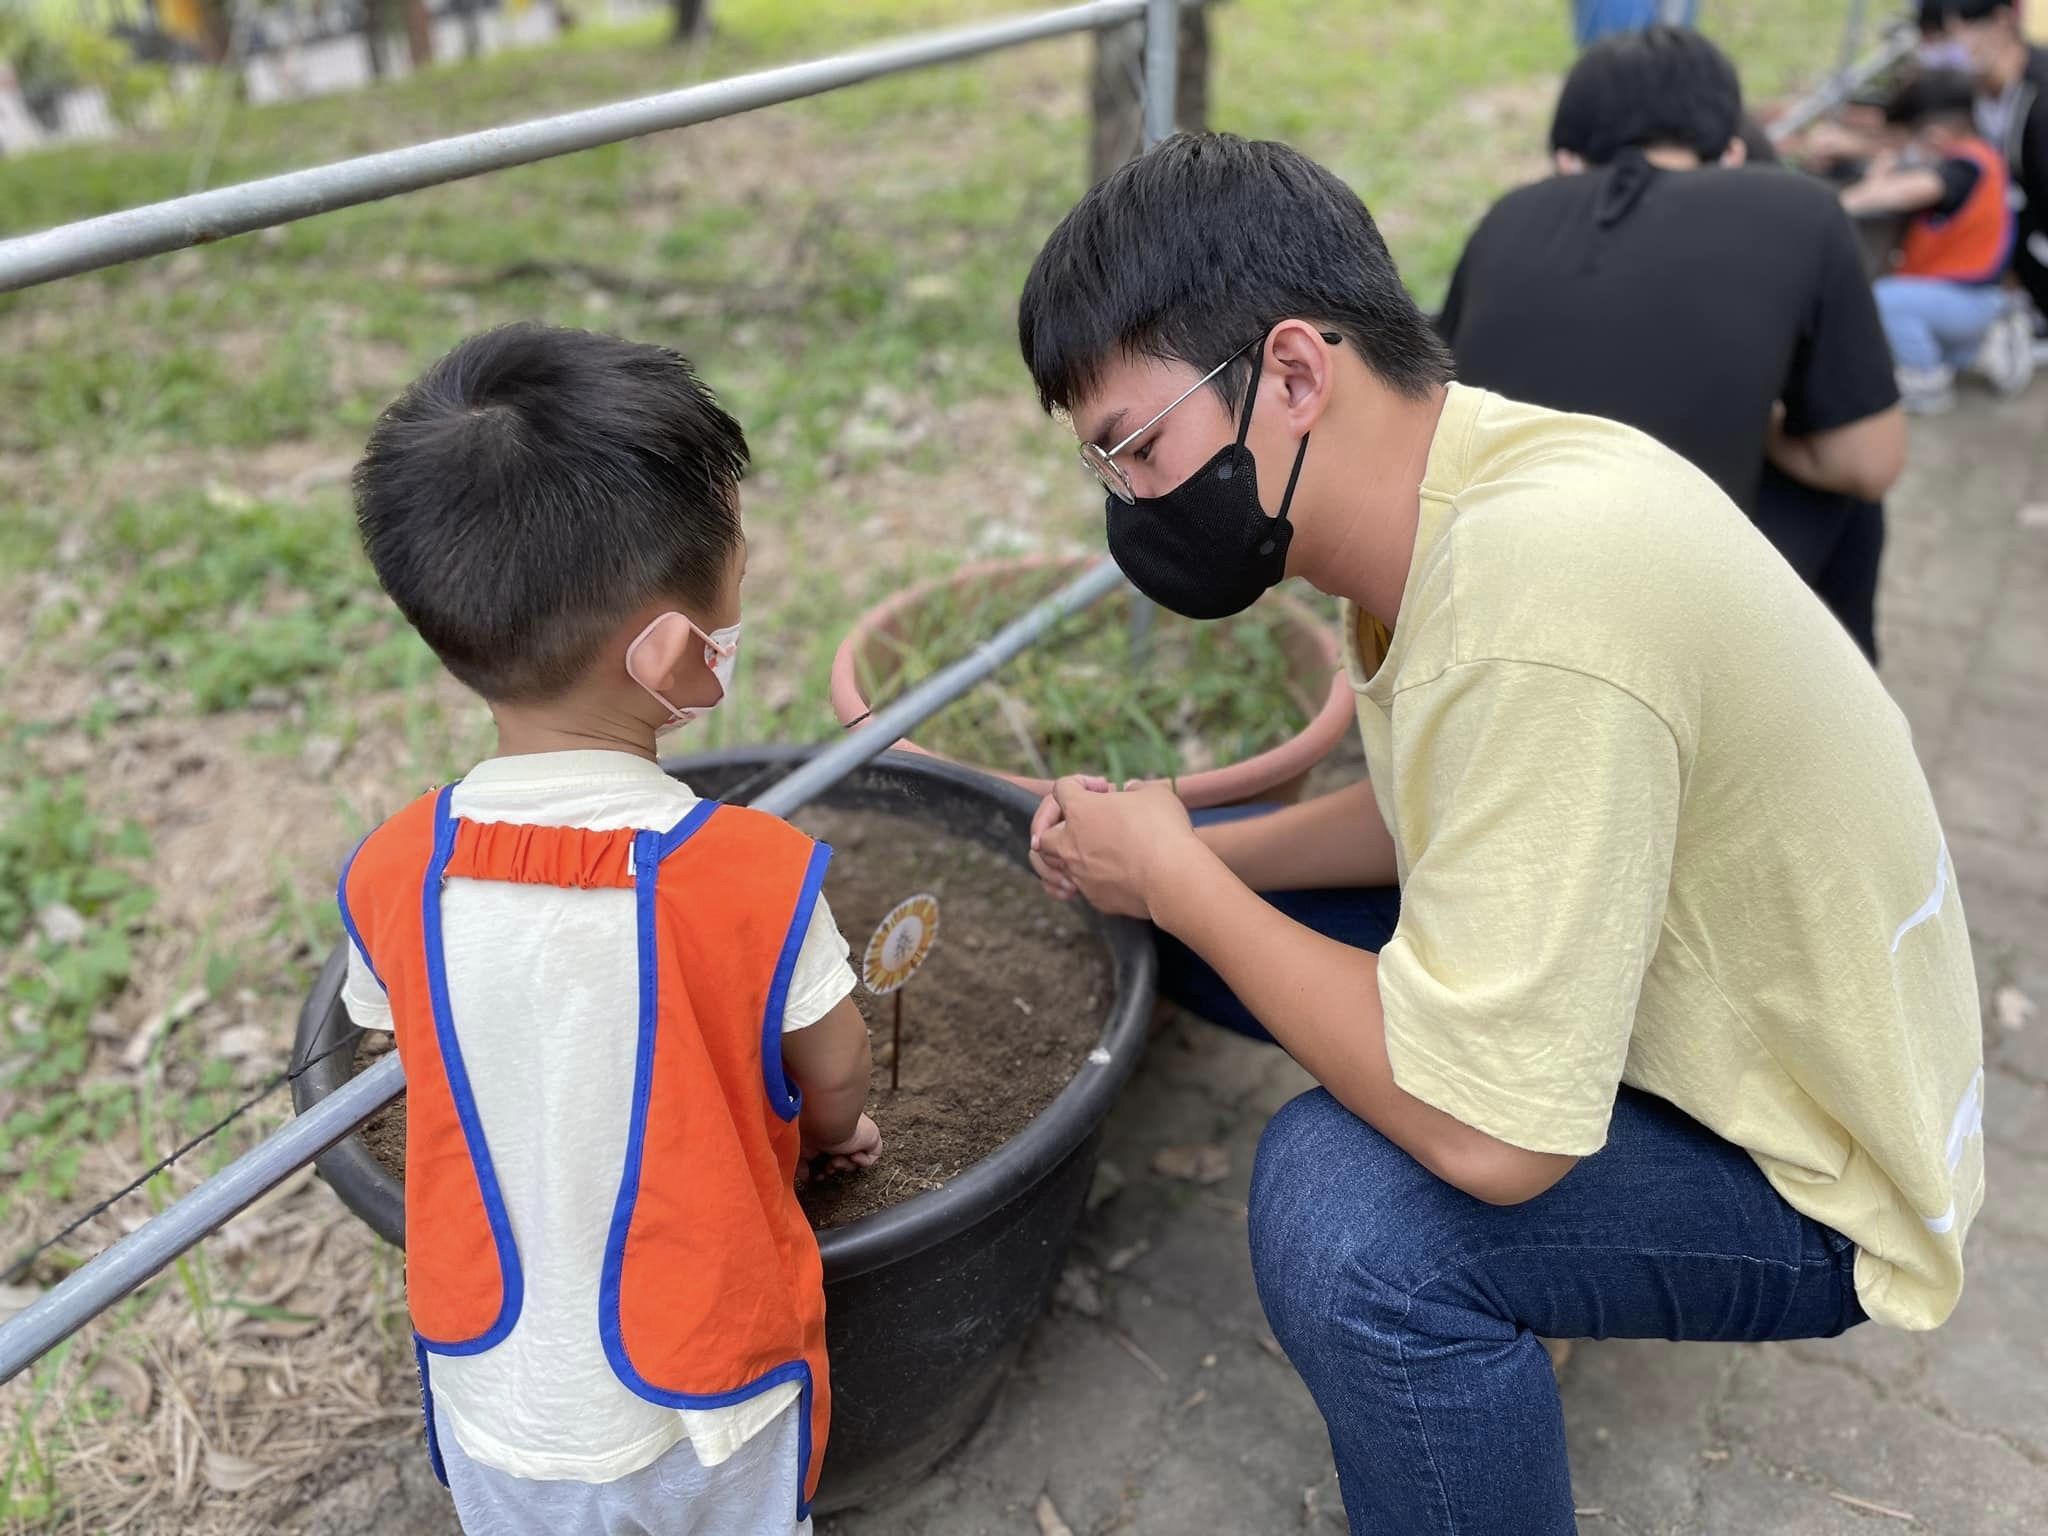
(1943, 307)
(624, 1012)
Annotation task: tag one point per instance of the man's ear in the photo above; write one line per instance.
(1737, 153)
(1567, 163)
(1301, 361)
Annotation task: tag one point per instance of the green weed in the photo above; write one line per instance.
(1081, 701)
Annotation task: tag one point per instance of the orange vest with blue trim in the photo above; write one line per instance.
(1973, 244)
(712, 1290)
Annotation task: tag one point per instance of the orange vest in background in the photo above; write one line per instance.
(712, 1290)
(1973, 244)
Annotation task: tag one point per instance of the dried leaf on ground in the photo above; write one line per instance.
(1208, 1164)
(1108, 1180)
(229, 1473)
(2012, 1008)
(62, 923)
(127, 1381)
(1125, 1257)
(145, 1038)
(321, 756)
(1049, 1521)
(1078, 1292)
(241, 1041)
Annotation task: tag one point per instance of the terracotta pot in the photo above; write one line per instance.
(1278, 773)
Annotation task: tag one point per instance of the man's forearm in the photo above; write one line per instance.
(1332, 842)
(1321, 1000)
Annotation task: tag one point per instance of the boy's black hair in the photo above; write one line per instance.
(1196, 249)
(1933, 95)
(534, 488)
(1975, 10)
(1637, 90)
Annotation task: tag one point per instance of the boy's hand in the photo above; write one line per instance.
(1046, 864)
(1118, 850)
(858, 1150)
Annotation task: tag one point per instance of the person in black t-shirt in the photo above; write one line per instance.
(2012, 113)
(1722, 310)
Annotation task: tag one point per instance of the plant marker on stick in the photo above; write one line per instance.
(899, 945)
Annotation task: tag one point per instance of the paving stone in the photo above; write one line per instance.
(1799, 1414)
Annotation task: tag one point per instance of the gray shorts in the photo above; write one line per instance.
(753, 1493)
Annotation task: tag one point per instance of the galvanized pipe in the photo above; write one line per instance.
(121, 1268)
(1162, 98)
(207, 216)
(1162, 68)
(1894, 47)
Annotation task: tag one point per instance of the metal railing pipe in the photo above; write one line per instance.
(204, 217)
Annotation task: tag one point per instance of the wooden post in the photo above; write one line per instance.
(419, 33)
(1116, 89)
(693, 20)
(374, 36)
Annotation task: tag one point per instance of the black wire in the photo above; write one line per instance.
(22, 1264)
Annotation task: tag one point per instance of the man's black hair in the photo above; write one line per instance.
(1932, 95)
(534, 488)
(1196, 249)
(1638, 90)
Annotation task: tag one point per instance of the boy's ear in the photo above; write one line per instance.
(1736, 154)
(655, 656)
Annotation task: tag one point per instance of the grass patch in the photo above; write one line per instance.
(71, 898)
(238, 600)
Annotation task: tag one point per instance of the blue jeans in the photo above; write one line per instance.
(1364, 919)
(1934, 323)
(1595, 19)
(1414, 1312)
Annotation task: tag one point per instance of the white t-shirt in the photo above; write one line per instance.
(543, 983)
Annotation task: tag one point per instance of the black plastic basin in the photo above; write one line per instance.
(928, 1302)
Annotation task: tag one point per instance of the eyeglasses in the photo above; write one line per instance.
(1101, 462)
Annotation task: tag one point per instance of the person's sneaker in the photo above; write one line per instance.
(1927, 391)
(2006, 355)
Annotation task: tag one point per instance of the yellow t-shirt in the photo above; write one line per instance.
(1658, 823)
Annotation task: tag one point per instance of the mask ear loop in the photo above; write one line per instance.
(1287, 496)
(1251, 393)
(1244, 427)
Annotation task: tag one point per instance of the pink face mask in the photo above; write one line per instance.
(721, 651)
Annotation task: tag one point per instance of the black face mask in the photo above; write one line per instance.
(1206, 549)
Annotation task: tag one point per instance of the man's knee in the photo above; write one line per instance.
(1336, 1209)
